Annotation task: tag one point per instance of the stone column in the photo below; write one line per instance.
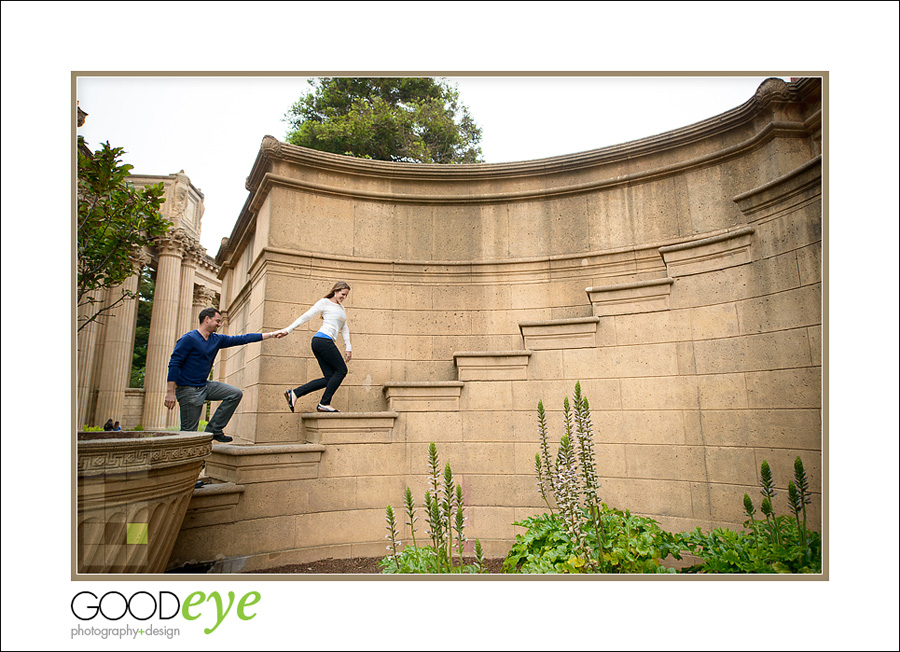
(87, 350)
(163, 324)
(118, 348)
(192, 252)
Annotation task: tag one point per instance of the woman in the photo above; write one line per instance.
(333, 365)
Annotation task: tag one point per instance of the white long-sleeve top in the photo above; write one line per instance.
(334, 320)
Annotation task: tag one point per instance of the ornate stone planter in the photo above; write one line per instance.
(133, 492)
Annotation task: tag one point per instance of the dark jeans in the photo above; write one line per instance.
(192, 399)
(333, 367)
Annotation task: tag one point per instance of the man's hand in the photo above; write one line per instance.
(276, 334)
(170, 399)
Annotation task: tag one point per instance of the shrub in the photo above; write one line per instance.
(444, 513)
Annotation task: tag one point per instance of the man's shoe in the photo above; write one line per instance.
(325, 408)
(289, 395)
(222, 438)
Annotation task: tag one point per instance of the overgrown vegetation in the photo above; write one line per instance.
(581, 534)
(444, 514)
(777, 544)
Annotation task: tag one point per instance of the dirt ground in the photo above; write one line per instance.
(355, 566)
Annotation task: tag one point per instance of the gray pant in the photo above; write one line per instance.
(192, 399)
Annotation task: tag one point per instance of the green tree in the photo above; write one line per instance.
(146, 287)
(412, 119)
(115, 220)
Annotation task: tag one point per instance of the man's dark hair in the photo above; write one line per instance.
(208, 312)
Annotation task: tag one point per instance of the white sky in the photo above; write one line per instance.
(857, 43)
(212, 127)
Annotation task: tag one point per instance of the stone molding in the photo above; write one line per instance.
(264, 463)
(709, 254)
(102, 456)
(213, 504)
(349, 427)
(785, 193)
(630, 298)
(428, 396)
(551, 334)
(491, 365)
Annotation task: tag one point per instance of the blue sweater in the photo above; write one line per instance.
(193, 356)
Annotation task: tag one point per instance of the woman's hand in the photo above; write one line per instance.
(348, 355)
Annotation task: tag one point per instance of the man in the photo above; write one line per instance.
(189, 369)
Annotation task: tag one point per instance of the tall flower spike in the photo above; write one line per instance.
(545, 449)
(392, 534)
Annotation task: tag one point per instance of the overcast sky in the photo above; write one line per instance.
(212, 127)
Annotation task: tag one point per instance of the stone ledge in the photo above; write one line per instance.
(213, 504)
(491, 365)
(264, 463)
(575, 333)
(630, 298)
(796, 187)
(709, 254)
(428, 396)
(349, 427)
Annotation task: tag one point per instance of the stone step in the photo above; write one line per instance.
(349, 427)
(263, 462)
(424, 396)
(551, 334)
(491, 365)
(630, 298)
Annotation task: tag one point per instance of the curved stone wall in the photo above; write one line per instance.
(677, 277)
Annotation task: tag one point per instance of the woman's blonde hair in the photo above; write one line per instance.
(340, 285)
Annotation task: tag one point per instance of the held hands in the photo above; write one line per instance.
(279, 334)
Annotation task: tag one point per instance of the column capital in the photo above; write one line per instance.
(204, 296)
(172, 242)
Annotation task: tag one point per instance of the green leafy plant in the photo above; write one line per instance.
(582, 535)
(778, 544)
(445, 516)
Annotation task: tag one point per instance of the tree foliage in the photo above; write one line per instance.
(115, 220)
(411, 119)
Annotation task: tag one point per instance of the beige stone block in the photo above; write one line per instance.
(686, 360)
(411, 297)
(374, 229)
(257, 536)
(488, 523)
(349, 427)
(415, 223)
(525, 425)
(577, 333)
(491, 365)
(629, 298)
(700, 504)
(423, 396)
(809, 260)
(785, 388)
(467, 457)
(529, 230)
(362, 320)
(722, 391)
(457, 231)
(713, 322)
(215, 504)
(435, 427)
(342, 460)
(422, 322)
(790, 309)
(758, 279)
(791, 231)
(484, 490)
(665, 462)
(464, 297)
(639, 427)
(488, 426)
(370, 295)
(611, 460)
(601, 394)
(377, 492)
(732, 465)
(815, 345)
(264, 463)
(494, 222)
(792, 428)
(651, 497)
(504, 322)
(278, 427)
(551, 392)
(524, 457)
(424, 371)
(778, 350)
(341, 527)
(545, 365)
(445, 346)
(530, 296)
(622, 361)
(726, 503)
(709, 254)
(653, 327)
(331, 494)
(569, 294)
